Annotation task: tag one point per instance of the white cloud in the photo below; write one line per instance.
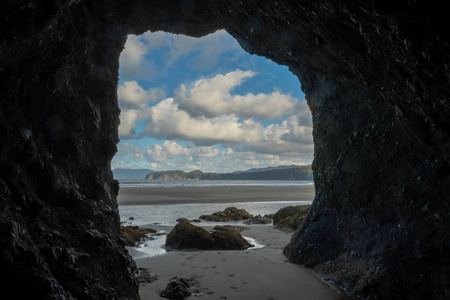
(166, 121)
(128, 120)
(132, 95)
(171, 155)
(211, 97)
(205, 51)
(202, 54)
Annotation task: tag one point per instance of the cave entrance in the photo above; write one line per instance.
(191, 104)
(206, 104)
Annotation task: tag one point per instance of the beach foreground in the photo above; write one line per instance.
(251, 274)
(213, 194)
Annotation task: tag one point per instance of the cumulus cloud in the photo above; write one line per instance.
(203, 53)
(211, 97)
(167, 121)
(132, 95)
(128, 120)
(172, 155)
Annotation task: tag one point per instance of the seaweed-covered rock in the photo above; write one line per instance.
(258, 220)
(188, 236)
(291, 217)
(224, 240)
(185, 235)
(229, 228)
(228, 214)
(177, 288)
(135, 234)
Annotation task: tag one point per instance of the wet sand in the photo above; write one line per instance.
(213, 194)
(259, 274)
(253, 274)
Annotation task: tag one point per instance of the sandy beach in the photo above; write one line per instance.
(252, 274)
(213, 194)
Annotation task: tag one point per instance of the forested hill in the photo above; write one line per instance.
(297, 173)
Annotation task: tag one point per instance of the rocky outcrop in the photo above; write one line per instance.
(376, 77)
(258, 220)
(177, 288)
(135, 234)
(291, 217)
(228, 214)
(188, 236)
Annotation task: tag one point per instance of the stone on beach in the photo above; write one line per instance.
(291, 217)
(229, 214)
(258, 220)
(188, 236)
(185, 235)
(176, 289)
(229, 228)
(135, 234)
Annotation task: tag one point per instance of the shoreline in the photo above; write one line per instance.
(213, 194)
(254, 274)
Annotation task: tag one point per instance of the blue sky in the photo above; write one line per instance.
(204, 103)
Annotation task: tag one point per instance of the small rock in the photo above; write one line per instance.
(258, 220)
(180, 220)
(176, 289)
(145, 277)
(229, 214)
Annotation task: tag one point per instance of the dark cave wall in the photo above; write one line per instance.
(376, 77)
(59, 221)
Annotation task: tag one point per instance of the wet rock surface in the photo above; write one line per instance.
(135, 234)
(188, 236)
(376, 77)
(177, 288)
(291, 217)
(228, 214)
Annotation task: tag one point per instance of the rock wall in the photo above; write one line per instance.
(375, 74)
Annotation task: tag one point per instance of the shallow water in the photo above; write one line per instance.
(167, 214)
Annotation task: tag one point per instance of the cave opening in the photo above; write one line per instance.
(376, 79)
(205, 104)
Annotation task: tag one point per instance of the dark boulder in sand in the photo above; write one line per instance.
(229, 228)
(258, 220)
(181, 220)
(229, 214)
(185, 235)
(188, 236)
(177, 288)
(224, 240)
(291, 217)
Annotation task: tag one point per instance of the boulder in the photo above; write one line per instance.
(258, 220)
(224, 240)
(135, 234)
(145, 277)
(180, 220)
(176, 289)
(291, 217)
(229, 228)
(185, 235)
(188, 236)
(229, 214)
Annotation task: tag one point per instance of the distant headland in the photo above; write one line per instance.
(292, 172)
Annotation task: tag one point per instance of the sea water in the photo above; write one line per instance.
(167, 214)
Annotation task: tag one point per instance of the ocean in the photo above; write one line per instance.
(164, 215)
(167, 214)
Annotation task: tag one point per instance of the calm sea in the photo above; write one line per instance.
(167, 214)
(185, 183)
